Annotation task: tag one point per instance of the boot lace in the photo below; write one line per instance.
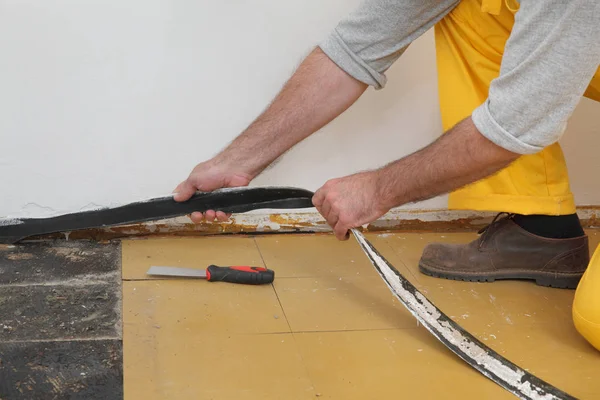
(484, 232)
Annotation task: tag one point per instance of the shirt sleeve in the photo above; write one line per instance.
(371, 38)
(549, 60)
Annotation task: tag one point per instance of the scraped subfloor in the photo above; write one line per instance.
(328, 327)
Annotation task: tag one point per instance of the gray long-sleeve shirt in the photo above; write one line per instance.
(549, 59)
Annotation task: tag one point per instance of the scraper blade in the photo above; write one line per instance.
(176, 271)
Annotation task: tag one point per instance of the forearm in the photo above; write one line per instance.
(316, 94)
(460, 157)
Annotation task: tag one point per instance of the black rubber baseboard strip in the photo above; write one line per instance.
(474, 352)
(237, 200)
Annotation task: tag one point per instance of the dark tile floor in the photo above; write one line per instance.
(60, 321)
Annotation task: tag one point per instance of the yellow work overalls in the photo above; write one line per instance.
(470, 44)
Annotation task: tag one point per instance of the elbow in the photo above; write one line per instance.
(488, 153)
(518, 134)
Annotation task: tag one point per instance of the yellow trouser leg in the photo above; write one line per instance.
(586, 306)
(469, 45)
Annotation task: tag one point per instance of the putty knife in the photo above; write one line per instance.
(237, 274)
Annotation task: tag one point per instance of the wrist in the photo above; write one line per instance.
(235, 165)
(387, 194)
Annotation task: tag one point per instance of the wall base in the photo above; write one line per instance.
(308, 222)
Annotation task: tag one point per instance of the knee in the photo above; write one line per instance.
(586, 306)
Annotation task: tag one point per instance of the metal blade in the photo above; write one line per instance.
(176, 271)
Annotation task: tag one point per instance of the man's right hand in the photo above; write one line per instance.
(208, 176)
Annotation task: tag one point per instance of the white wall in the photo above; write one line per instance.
(109, 101)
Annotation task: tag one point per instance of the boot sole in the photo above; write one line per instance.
(547, 279)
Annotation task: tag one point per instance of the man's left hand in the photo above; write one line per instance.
(350, 202)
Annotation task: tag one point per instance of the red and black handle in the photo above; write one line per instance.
(244, 275)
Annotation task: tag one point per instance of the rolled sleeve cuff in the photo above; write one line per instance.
(488, 127)
(338, 51)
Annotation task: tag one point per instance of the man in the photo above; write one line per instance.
(510, 76)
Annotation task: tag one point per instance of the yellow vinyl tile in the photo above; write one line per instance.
(200, 252)
(390, 364)
(330, 304)
(159, 365)
(192, 308)
(384, 248)
(329, 327)
(594, 238)
(554, 352)
(476, 305)
(314, 256)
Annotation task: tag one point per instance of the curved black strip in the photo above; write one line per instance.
(541, 387)
(228, 200)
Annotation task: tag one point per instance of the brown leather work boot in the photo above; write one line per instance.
(506, 251)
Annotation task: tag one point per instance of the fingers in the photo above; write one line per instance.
(326, 211)
(331, 214)
(184, 191)
(324, 203)
(341, 231)
(332, 218)
(197, 217)
(178, 188)
(210, 215)
(221, 216)
(318, 199)
(340, 228)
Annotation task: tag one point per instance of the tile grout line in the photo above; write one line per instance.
(58, 283)
(119, 306)
(146, 279)
(82, 280)
(273, 286)
(90, 339)
(330, 331)
(306, 371)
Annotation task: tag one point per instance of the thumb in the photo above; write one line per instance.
(184, 191)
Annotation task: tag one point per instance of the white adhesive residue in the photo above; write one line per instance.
(267, 226)
(10, 221)
(429, 316)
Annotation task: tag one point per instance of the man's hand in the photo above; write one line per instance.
(350, 202)
(208, 176)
